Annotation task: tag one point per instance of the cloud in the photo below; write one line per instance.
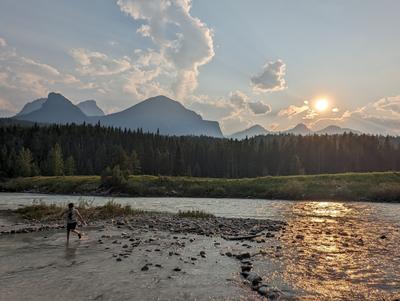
(293, 110)
(238, 99)
(234, 123)
(212, 109)
(3, 42)
(185, 42)
(99, 64)
(259, 107)
(24, 78)
(379, 117)
(271, 78)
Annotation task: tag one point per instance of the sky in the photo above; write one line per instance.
(273, 63)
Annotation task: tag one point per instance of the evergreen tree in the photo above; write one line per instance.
(134, 163)
(55, 162)
(69, 168)
(23, 164)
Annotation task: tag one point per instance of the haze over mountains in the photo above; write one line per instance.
(300, 129)
(156, 114)
(159, 113)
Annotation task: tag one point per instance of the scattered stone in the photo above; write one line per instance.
(253, 277)
(246, 268)
(299, 236)
(229, 254)
(145, 268)
(177, 269)
(125, 246)
(383, 236)
(243, 255)
(203, 254)
(119, 259)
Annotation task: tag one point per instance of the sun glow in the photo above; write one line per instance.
(321, 104)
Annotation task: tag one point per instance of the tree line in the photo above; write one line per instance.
(95, 150)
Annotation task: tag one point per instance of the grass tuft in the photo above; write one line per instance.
(40, 211)
(194, 214)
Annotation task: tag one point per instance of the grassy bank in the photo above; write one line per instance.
(40, 211)
(383, 187)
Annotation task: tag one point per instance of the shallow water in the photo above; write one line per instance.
(330, 250)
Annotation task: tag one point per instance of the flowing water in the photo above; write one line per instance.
(329, 250)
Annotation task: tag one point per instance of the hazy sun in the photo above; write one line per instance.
(321, 104)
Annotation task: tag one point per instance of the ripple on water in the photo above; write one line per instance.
(336, 252)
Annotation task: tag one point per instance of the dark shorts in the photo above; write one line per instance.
(71, 226)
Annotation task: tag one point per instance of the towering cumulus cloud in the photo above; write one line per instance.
(184, 41)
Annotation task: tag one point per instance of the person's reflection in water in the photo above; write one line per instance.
(70, 252)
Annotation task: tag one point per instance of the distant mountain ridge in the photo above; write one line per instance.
(32, 106)
(255, 130)
(90, 108)
(157, 114)
(299, 129)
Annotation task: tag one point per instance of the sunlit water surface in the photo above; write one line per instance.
(330, 250)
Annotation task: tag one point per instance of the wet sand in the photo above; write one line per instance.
(131, 261)
(323, 251)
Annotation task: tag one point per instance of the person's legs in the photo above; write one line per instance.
(78, 233)
(67, 236)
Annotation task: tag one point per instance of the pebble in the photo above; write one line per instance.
(243, 255)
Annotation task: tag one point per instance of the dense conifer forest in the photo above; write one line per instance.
(88, 150)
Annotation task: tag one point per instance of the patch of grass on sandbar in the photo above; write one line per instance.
(41, 211)
(194, 214)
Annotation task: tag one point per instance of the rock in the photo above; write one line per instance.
(158, 265)
(145, 268)
(274, 294)
(243, 255)
(229, 254)
(177, 269)
(253, 278)
(383, 236)
(263, 290)
(119, 259)
(299, 236)
(203, 254)
(269, 235)
(246, 268)
(125, 246)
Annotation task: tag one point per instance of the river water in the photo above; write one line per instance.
(329, 250)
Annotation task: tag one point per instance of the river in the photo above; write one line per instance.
(329, 251)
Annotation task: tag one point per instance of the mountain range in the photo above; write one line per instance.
(156, 114)
(299, 129)
(159, 113)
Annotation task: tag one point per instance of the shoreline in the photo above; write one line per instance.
(369, 187)
(187, 257)
(191, 243)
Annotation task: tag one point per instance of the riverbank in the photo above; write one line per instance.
(374, 187)
(186, 256)
(310, 251)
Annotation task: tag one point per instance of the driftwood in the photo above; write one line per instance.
(242, 237)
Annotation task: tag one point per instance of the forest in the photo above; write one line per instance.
(94, 150)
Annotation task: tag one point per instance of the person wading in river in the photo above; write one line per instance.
(72, 221)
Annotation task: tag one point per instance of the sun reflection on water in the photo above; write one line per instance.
(334, 252)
